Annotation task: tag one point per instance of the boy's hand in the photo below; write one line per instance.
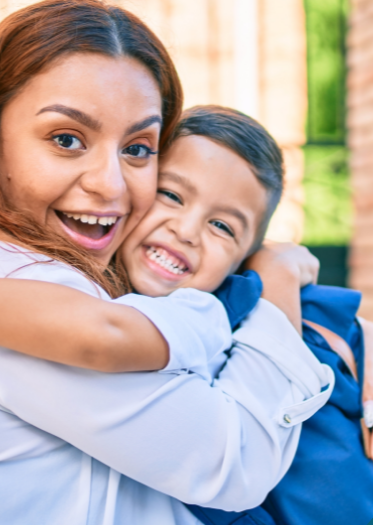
(285, 257)
(285, 268)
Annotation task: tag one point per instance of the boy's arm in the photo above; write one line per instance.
(57, 323)
(285, 268)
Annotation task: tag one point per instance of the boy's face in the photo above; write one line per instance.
(202, 224)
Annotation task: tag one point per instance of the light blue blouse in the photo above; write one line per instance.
(79, 447)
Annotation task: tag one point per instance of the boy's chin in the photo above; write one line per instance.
(154, 289)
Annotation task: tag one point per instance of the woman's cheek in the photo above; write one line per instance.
(142, 199)
(142, 192)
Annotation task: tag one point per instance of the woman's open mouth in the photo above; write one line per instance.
(91, 231)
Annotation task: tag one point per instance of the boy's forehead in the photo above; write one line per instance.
(213, 172)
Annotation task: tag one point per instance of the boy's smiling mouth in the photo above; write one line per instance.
(168, 263)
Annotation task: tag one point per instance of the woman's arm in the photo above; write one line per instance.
(131, 333)
(285, 268)
(61, 324)
(101, 335)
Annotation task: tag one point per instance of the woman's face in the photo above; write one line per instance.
(78, 149)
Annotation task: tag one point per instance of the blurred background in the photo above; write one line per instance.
(303, 69)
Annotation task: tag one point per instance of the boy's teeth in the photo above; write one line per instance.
(165, 261)
(92, 219)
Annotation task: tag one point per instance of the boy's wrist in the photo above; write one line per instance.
(285, 259)
(281, 286)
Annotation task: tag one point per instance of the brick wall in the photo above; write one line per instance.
(283, 102)
(360, 124)
(200, 39)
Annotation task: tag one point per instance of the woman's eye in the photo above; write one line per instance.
(170, 195)
(223, 226)
(67, 141)
(139, 151)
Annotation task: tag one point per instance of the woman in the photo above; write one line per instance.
(82, 112)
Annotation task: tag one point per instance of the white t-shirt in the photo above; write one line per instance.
(80, 447)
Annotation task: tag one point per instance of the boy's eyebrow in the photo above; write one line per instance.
(179, 179)
(236, 213)
(189, 186)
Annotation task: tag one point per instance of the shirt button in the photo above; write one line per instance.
(287, 418)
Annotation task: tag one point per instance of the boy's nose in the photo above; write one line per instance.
(187, 230)
(105, 177)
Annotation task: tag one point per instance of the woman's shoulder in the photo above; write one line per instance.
(19, 262)
(14, 258)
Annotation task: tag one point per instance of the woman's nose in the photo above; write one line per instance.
(105, 177)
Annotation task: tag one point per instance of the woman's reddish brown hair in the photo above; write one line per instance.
(31, 39)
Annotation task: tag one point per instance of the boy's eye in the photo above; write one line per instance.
(170, 195)
(67, 141)
(222, 226)
(139, 151)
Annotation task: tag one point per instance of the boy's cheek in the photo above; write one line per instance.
(211, 277)
(216, 270)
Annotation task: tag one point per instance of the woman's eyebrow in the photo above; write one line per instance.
(95, 125)
(143, 124)
(75, 114)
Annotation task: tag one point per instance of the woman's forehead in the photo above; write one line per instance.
(102, 87)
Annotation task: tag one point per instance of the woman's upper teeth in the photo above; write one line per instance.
(92, 219)
(166, 260)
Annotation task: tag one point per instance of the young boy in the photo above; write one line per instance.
(192, 237)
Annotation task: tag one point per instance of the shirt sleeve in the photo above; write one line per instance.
(217, 446)
(195, 325)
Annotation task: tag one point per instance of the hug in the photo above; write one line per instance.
(159, 363)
